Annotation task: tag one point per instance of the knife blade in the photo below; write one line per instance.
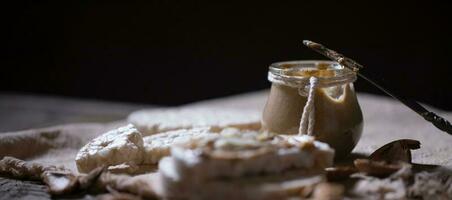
(372, 78)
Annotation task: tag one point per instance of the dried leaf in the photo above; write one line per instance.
(20, 169)
(340, 173)
(58, 179)
(88, 181)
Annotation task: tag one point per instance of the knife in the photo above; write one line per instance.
(430, 116)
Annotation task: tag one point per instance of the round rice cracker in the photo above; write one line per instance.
(150, 122)
(118, 146)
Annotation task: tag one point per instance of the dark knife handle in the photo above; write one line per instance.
(438, 121)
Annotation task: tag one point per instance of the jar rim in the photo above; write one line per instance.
(279, 73)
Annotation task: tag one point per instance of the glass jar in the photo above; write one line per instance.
(337, 114)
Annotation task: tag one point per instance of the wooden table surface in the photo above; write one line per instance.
(20, 112)
(385, 120)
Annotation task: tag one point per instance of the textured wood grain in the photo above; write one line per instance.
(32, 190)
(27, 190)
(20, 112)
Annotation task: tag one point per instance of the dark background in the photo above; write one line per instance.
(170, 52)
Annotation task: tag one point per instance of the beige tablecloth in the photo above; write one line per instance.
(385, 120)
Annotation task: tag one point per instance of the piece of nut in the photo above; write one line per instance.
(377, 168)
(399, 150)
(339, 173)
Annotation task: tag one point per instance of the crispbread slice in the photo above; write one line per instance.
(243, 165)
(282, 185)
(158, 145)
(122, 145)
(132, 169)
(124, 150)
(247, 154)
(161, 120)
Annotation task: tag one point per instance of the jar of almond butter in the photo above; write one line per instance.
(330, 107)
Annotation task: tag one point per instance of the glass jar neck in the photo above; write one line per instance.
(297, 73)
